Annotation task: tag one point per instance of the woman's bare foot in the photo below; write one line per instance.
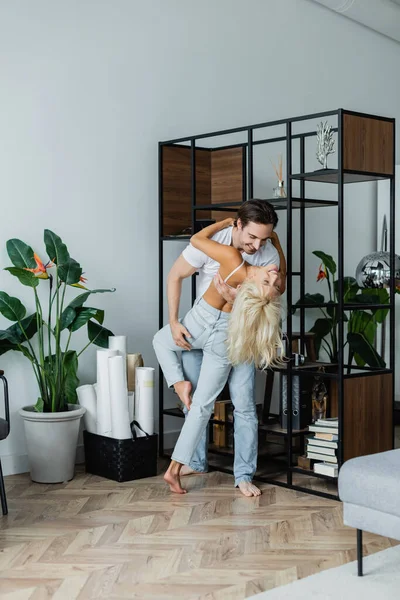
(186, 470)
(172, 478)
(183, 389)
(248, 489)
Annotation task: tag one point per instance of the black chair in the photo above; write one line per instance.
(4, 431)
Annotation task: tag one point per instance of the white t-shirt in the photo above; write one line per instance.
(208, 267)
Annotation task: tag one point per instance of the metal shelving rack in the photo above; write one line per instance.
(363, 141)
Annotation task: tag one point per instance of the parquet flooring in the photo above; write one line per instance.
(93, 538)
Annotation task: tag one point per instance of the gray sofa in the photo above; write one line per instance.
(369, 487)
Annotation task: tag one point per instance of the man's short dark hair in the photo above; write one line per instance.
(257, 211)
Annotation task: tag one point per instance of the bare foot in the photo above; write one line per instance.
(172, 478)
(248, 489)
(186, 470)
(183, 389)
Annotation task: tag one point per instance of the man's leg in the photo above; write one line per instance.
(191, 362)
(242, 391)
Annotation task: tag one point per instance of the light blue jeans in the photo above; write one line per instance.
(208, 328)
(242, 394)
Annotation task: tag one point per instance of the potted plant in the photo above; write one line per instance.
(52, 424)
(362, 323)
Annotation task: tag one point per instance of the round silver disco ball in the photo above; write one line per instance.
(373, 271)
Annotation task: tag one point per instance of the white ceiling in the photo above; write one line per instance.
(382, 16)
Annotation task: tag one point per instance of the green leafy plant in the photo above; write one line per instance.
(361, 323)
(55, 367)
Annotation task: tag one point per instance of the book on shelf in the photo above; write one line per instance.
(315, 441)
(321, 450)
(323, 429)
(320, 456)
(324, 468)
(329, 437)
(330, 422)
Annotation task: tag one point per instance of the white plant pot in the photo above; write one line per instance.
(51, 440)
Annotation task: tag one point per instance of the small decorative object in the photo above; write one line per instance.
(373, 270)
(319, 395)
(279, 191)
(325, 143)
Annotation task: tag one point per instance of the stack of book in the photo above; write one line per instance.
(323, 445)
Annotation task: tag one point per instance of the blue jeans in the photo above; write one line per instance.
(208, 328)
(242, 392)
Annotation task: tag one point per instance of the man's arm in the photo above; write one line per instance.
(180, 270)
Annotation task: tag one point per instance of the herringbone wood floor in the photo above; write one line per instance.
(93, 538)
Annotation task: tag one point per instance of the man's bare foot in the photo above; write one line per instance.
(183, 389)
(186, 470)
(248, 489)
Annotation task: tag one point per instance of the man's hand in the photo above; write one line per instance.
(179, 333)
(229, 294)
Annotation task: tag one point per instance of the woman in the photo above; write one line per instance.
(250, 334)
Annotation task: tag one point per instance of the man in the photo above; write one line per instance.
(253, 235)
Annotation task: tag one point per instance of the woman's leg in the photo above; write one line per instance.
(169, 354)
(214, 373)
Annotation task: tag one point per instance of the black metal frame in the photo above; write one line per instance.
(359, 553)
(7, 416)
(339, 176)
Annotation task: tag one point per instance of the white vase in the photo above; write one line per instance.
(51, 440)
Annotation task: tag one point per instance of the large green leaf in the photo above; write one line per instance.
(21, 255)
(380, 314)
(309, 299)
(57, 251)
(83, 315)
(25, 277)
(350, 288)
(71, 380)
(81, 299)
(70, 272)
(28, 325)
(11, 308)
(321, 328)
(67, 316)
(6, 334)
(327, 260)
(6, 346)
(362, 322)
(98, 334)
(360, 345)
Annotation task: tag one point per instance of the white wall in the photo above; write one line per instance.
(89, 88)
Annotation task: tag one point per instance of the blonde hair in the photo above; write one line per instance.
(254, 333)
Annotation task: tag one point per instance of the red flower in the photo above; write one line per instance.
(322, 273)
(41, 269)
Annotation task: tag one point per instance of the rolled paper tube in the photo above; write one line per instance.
(119, 399)
(87, 398)
(144, 399)
(104, 425)
(133, 361)
(131, 404)
(118, 342)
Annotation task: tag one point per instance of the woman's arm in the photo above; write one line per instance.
(220, 252)
(282, 269)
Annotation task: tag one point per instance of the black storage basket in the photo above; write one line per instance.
(120, 460)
